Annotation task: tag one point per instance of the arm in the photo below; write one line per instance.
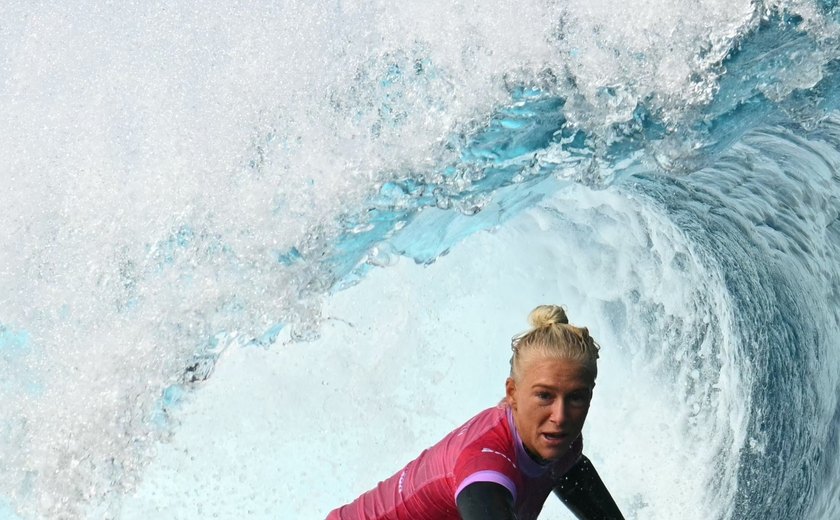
(583, 492)
(485, 501)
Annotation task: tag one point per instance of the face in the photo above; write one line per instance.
(549, 403)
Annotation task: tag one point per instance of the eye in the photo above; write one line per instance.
(544, 396)
(580, 399)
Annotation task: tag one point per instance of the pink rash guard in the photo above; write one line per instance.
(485, 449)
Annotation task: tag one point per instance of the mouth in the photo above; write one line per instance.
(555, 438)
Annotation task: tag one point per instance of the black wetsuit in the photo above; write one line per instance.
(582, 490)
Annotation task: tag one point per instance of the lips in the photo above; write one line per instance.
(555, 437)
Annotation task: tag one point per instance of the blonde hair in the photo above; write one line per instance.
(551, 336)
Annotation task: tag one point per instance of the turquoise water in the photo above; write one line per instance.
(206, 211)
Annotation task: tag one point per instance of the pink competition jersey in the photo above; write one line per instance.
(485, 449)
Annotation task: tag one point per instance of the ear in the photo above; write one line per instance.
(510, 389)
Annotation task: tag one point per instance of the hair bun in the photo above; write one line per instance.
(545, 315)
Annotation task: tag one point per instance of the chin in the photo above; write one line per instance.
(557, 455)
(553, 455)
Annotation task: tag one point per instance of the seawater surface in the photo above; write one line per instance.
(255, 257)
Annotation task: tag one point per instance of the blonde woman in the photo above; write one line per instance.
(505, 462)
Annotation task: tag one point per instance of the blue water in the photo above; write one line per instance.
(747, 178)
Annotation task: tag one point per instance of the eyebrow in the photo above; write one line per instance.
(554, 388)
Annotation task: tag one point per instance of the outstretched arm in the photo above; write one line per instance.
(585, 494)
(485, 501)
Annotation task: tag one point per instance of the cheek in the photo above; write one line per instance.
(540, 414)
(580, 417)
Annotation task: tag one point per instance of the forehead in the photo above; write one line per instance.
(552, 372)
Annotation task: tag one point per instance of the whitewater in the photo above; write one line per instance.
(255, 257)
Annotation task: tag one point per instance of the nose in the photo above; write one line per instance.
(558, 413)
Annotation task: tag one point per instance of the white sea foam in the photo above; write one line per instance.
(156, 160)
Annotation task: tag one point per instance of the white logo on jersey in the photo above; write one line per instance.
(488, 450)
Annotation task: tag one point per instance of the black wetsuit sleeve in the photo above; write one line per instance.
(583, 492)
(485, 501)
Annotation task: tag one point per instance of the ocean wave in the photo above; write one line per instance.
(179, 181)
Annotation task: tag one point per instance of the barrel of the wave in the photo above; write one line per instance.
(505, 462)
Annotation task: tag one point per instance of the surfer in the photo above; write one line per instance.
(505, 462)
